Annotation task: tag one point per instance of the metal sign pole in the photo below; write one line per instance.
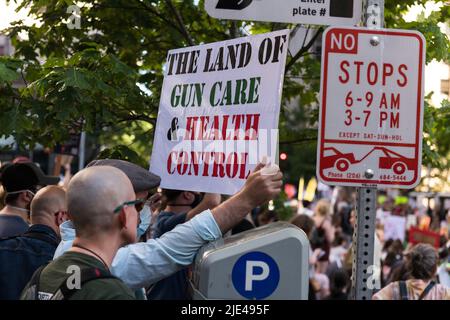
(364, 235)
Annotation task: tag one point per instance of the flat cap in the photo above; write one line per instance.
(141, 179)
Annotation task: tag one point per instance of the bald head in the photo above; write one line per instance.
(92, 196)
(46, 203)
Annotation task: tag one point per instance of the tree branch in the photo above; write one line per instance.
(303, 50)
(179, 18)
(234, 31)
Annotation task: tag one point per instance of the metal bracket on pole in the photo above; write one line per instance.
(374, 14)
(364, 236)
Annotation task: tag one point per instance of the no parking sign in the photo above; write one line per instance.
(371, 114)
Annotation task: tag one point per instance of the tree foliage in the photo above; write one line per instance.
(106, 77)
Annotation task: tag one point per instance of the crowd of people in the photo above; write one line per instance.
(421, 269)
(109, 232)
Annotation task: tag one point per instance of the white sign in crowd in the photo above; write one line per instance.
(218, 114)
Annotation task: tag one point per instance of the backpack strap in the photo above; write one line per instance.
(32, 292)
(87, 275)
(427, 290)
(403, 290)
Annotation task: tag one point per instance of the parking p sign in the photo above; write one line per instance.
(371, 115)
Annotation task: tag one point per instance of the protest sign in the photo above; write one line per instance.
(395, 228)
(218, 113)
(417, 235)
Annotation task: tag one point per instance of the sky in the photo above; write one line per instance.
(8, 14)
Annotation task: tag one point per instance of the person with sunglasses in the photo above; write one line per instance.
(101, 204)
(140, 265)
(22, 255)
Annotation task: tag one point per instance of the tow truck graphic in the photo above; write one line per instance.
(390, 160)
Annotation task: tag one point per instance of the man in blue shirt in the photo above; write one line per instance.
(22, 255)
(142, 264)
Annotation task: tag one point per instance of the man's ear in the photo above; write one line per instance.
(188, 196)
(123, 219)
(26, 196)
(60, 218)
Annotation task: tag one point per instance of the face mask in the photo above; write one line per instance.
(27, 209)
(20, 191)
(198, 198)
(146, 217)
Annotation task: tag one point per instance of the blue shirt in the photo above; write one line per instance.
(11, 226)
(174, 287)
(20, 256)
(142, 264)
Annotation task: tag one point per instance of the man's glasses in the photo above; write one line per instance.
(138, 203)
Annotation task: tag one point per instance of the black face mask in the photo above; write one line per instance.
(198, 198)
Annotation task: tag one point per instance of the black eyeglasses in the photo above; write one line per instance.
(135, 203)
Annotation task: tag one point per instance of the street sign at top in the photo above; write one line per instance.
(371, 115)
(321, 12)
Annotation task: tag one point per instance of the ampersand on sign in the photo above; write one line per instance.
(172, 133)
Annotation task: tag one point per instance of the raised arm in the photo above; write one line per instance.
(210, 201)
(261, 186)
(142, 264)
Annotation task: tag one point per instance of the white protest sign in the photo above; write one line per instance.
(320, 12)
(394, 228)
(218, 113)
(371, 115)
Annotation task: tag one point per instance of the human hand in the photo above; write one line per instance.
(262, 185)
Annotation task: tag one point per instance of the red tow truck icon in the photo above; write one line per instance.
(391, 160)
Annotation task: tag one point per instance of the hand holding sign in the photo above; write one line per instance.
(263, 184)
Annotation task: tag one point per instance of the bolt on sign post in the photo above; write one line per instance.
(320, 12)
(370, 126)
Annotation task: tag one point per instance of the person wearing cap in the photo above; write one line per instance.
(142, 264)
(22, 255)
(20, 182)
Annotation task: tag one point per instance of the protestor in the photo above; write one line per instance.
(142, 264)
(305, 208)
(101, 205)
(421, 265)
(323, 234)
(245, 225)
(317, 283)
(266, 216)
(20, 182)
(22, 255)
(338, 250)
(142, 180)
(181, 206)
(339, 283)
(444, 267)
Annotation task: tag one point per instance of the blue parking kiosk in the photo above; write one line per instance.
(269, 262)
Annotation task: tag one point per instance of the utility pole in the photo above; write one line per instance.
(364, 270)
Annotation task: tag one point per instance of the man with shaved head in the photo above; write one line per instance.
(101, 204)
(22, 255)
(142, 264)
